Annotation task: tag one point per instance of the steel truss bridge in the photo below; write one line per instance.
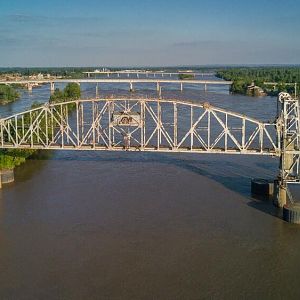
(158, 125)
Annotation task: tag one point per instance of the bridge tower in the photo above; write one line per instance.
(288, 134)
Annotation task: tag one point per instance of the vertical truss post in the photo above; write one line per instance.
(208, 129)
(46, 126)
(16, 130)
(158, 124)
(77, 122)
(110, 125)
(93, 124)
(61, 126)
(243, 133)
(192, 128)
(175, 125)
(142, 124)
(226, 132)
(31, 131)
(288, 121)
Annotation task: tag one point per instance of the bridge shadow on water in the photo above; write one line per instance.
(232, 171)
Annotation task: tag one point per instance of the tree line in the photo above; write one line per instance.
(284, 77)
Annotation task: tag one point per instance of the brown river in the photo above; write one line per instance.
(102, 225)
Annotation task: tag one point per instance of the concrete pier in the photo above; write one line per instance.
(131, 87)
(286, 162)
(97, 91)
(52, 87)
(6, 176)
(291, 213)
(262, 188)
(29, 87)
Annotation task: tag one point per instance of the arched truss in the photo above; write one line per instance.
(138, 125)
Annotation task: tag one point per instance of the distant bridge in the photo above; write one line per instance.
(130, 82)
(146, 73)
(157, 125)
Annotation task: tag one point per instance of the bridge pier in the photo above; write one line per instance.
(205, 87)
(131, 87)
(286, 164)
(97, 91)
(52, 87)
(262, 188)
(181, 87)
(29, 87)
(157, 86)
(280, 194)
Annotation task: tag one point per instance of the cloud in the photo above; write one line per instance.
(24, 19)
(205, 44)
(41, 19)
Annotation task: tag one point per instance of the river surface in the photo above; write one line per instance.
(102, 225)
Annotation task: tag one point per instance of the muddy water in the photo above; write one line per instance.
(88, 225)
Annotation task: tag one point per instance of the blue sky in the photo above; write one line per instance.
(148, 33)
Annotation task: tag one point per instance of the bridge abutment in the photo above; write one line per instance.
(6, 176)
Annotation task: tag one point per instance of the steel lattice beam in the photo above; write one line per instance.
(143, 125)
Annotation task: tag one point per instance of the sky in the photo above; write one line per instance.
(148, 32)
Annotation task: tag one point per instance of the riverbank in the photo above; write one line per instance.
(11, 158)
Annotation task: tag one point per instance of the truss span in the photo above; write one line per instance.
(138, 125)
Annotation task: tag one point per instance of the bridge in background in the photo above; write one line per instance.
(157, 125)
(131, 82)
(146, 73)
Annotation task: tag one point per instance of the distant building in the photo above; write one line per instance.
(40, 76)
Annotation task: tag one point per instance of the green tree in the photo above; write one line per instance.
(7, 94)
(72, 91)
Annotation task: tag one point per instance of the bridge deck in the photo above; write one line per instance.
(99, 80)
(265, 152)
